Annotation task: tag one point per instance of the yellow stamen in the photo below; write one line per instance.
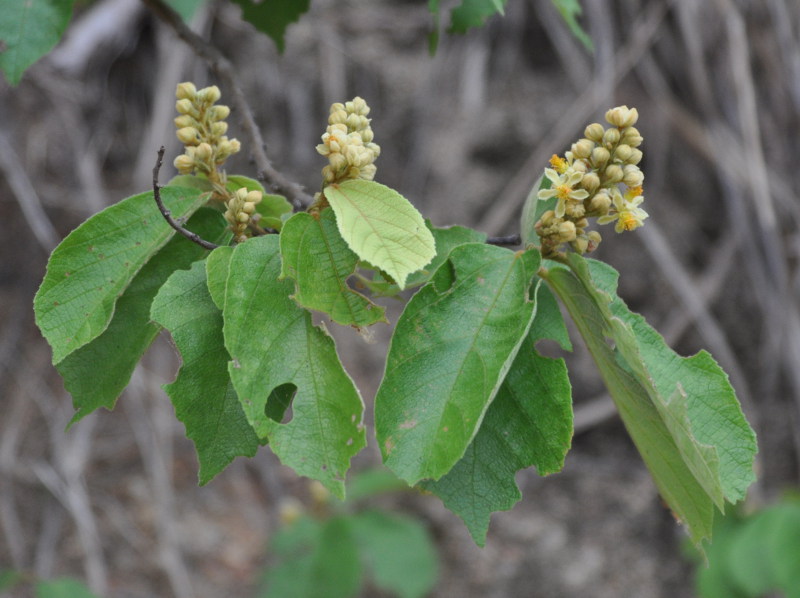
(563, 191)
(634, 192)
(558, 163)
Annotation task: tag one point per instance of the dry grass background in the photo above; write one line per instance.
(114, 500)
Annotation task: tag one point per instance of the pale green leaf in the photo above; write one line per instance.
(202, 392)
(529, 423)
(92, 267)
(397, 551)
(217, 272)
(452, 347)
(97, 373)
(314, 254)
(681, 413)
(570, 11)
(272, 341)
(29, 29)
(382, 227)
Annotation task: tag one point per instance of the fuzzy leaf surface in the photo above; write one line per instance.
(217, 264)
(314, 254)
(273, 17)
(681, 413)
(97, 373)
(29, 29)
(202, 393)
(529, 423)
(382, 227)
(272, 341)
(450, 352)
(96, 262)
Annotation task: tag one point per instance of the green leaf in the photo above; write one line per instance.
(452, 347)
(681, 413)
(29, 29)
(398, 553)
(274, 209)
(97, 373)
(202, 393)
(371, 482)
(528, 423)
(570, 11)
(381, 227)
(9, 578)
(320, 262)
(273, 16)
(92, 267)
(217, 264)
(473, 13)
(185, 8)
(316, 560)
(62, 588)
(272, 342)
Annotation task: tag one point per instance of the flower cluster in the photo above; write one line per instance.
(347, 143)
(241, 206)
(586, 183)
(201, 128)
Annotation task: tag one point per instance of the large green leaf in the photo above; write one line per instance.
(273, 342)
(314, 254)
(29, 29)
(528, 423)
(382, 227)
(217, 264)
(681, 413)
(397, 551)
(473, 13)
(452, 347)
(93, 266)
(97, 373)
(273, 16)
(202, 393)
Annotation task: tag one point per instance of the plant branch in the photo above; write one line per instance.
(509, 240)
(193, 237)
(226, 73)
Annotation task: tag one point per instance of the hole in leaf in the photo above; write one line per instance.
(279, 403)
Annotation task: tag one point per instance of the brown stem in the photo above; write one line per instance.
(224, 70)
(193, 237)
(509, 240)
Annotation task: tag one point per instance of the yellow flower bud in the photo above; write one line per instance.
(583, 148)
(622, 116)
(600, 157)
(186, 90)
(594, 132)
(566, 231)
(632, 176)
(249, 207)
(590, 182)
(367, 135)
(600, 204)
(203, 152)
(611, 138)
(594, 240)
(580, 244)
(187, 135)
(253, 197)
(613, 174)
(209, 94)
(184, 120)
(243, 217)
(337, 161)
(632, 137)
(184, 106)
(368, 172)
(220, 112)
(636, 156)
(235, 146)
(353, 122)
(339, 117)
(359, 106)
(623, 152)
(184, 164)
(219, 129)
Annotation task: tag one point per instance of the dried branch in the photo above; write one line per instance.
(226, 73)
(193, 237)
(509, 240)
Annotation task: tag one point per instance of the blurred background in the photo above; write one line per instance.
(114, 501)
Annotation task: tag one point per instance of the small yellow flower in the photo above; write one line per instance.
(626, 210)
(563, 188)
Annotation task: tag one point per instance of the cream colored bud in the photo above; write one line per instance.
(594, 240)
(185, 90)
(184, 106)
(580, 244)
(249, 207)
(566, 231)
(354, 122)
(235, 146)
(203, 152)
(368, 172)
(622, 116)
(623, 152)
(613, 174)
(594, 132)
(580, 166)
(611, 138)
(336, 107)
(632, 177)
(184, 120)
(600, 204)
(366, 135)
(187, 135)
(375, 149)
(339, 117)
(209, 94)
(219, 129)
(600, 157)
(241, 194)
(636, 156)
(583, 148)
(220, 112)
(243, 217)
(323, 149)
(337, 161)
(632, 137)
(328, 174)
(254, 196)
(359, 106)
(184, 164)
(590, 182)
